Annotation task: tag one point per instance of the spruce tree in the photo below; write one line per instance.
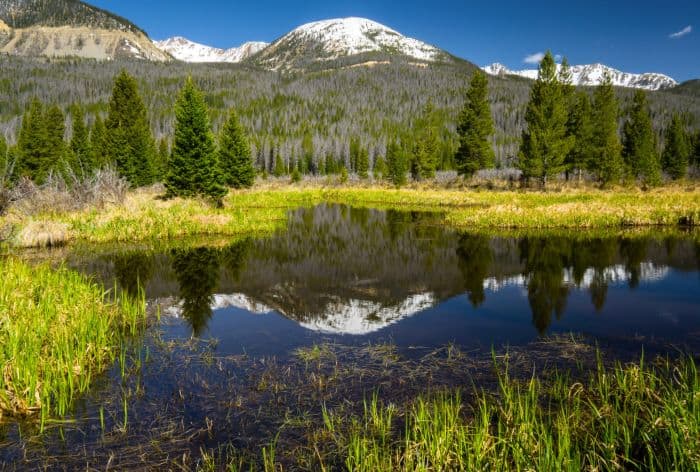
(32, 144)
(380, 169)
(363, 163)
(545, 141)
(129, 143)
(677, 149)
(193, 168)
(234, 154)
(98, 144)
(279, 170)
(4, 162)
(82, 155)
(397, 164)
(580, 126)
(639, 150)
(474, 128)
(696, 154)
(426, 151)
(607, 150)
(55, 132)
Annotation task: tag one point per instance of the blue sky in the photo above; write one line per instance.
(633, 36)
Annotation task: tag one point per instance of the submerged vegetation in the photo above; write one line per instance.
(58, 332)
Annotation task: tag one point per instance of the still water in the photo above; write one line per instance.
(357, 276)
(220, 368)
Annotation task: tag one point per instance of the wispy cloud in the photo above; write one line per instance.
(679, 34)
(534, 58)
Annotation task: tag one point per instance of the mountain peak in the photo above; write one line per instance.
(328, 40)
(593, 74)
(189, 51)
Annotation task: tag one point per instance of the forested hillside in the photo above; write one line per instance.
(315, 114)
(26, 13)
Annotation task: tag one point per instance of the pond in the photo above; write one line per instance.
(376, 286)
(350, 275)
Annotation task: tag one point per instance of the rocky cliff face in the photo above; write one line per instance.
(69, 28)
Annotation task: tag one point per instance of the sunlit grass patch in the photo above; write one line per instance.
(58, 331)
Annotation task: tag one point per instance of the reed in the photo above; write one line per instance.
(58, 331)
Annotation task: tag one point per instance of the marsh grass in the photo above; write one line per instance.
(58, 331)
(634, 417)
(143, 216)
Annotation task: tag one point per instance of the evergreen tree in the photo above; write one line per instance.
(279, 170)
(696, 157)
(80, 142)
(639, 151)
(580, 126)
(397, 164)
(32, 144)
(474, 128)
(545, 142)
(363, 164)
(129, 143)
(677, 149)
(355, 148)
(98, 144)
(607, 150)
(380, 168)
(55, 132)
(234, 154)
(426, 152)
(193, 168)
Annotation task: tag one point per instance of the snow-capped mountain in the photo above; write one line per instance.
(338, 38)
(188, 51)
(593, 74)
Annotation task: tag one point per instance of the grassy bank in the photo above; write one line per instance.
(57, 332)
(143, 216)
(634, 417)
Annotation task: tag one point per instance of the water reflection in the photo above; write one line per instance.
(343, 270)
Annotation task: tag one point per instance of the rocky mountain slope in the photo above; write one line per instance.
(70, 28)
(593, 74)
(185, 50)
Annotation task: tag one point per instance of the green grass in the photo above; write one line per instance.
(144, 217)
(632, 417)
(58, 331)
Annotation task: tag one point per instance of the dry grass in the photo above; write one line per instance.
(143, 216)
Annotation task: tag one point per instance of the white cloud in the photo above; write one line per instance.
(558, 57)
(534, 58)
(679, 34)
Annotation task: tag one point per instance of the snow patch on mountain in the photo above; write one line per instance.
(189, 51)
(593, 74)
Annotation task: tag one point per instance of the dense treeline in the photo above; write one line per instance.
(313, 122)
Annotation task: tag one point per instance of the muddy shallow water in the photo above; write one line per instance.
(394, 302)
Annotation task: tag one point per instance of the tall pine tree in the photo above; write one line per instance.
(55, 132)
(34, 157)
(607, 150)
(545, 142)
(82, 155)
(129, 143)
(580, 126)
(677, 149)
(234, 154)
(639, 149)
(474, 128)
(397, 164)
(363, 164)
(98, 143)
(426, 151)
(193, 169)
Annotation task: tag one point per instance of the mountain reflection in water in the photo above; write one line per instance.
(342, 270)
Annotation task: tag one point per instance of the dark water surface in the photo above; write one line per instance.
(356, 276)
(219, 368)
